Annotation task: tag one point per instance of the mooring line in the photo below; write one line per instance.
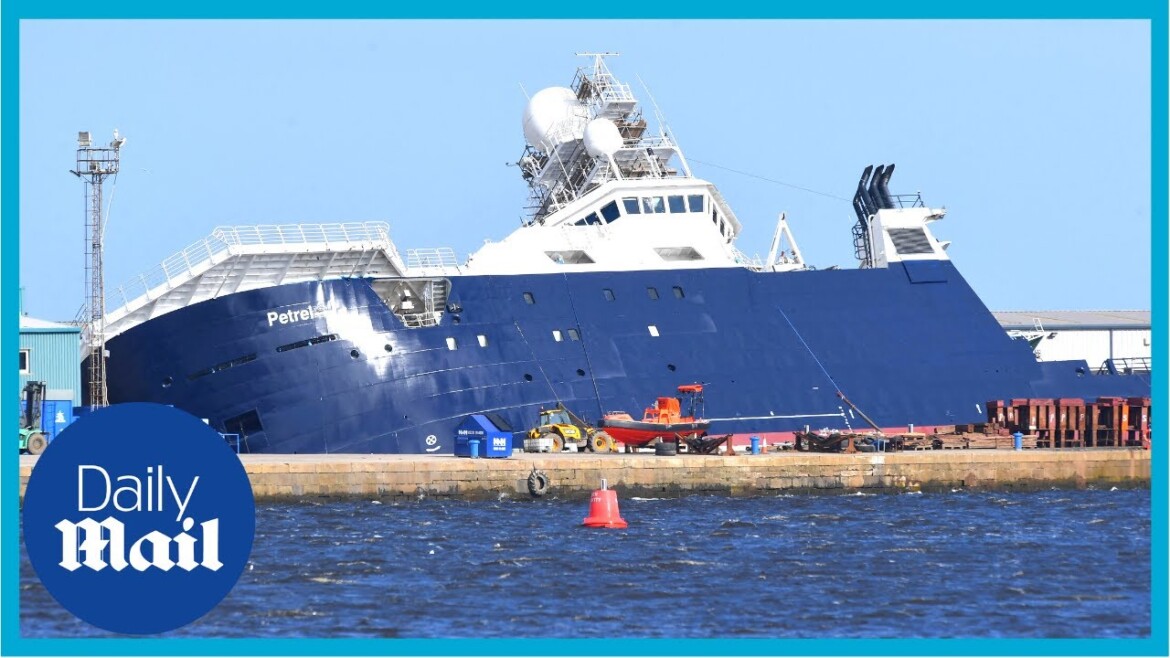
(809, 349)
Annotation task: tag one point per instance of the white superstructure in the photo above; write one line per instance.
(606, 195)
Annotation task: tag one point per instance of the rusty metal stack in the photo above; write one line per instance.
(1073, 422)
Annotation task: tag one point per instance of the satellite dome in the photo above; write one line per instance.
(602, 137)
(554, 116)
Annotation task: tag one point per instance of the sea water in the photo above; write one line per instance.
(962, 564)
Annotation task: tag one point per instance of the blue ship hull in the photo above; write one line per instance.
(907, 344)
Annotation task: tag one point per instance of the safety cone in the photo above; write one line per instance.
(603, 509)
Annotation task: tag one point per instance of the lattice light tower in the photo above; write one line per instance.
(94, 164)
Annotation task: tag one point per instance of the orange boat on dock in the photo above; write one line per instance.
(663, 420)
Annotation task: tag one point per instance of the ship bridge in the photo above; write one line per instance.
(239, 258)
(606, 194)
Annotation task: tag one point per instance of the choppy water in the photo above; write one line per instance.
(1042, 564)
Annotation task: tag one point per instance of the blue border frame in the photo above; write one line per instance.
(14, 10)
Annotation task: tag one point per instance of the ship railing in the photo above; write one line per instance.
(432, 260)
(173, 267)
(1125, 366)
(196, 256)
(273, 234)
(908, 200)
(750, 262)
(603, 84)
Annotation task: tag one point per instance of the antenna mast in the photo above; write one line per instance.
(94, 164)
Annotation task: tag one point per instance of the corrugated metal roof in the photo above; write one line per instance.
(37, 325)
(1074, 319)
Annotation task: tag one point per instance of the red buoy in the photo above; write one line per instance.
(603, 509)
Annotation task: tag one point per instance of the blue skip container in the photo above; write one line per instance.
(477, 436)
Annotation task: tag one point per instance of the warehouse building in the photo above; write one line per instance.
(50, 352)
(1107, 340)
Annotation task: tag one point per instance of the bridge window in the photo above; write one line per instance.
(676, 204)
(631, 205)
(652, 292)
(610, 211)
(529, 299)
(608, 294)
(653, 204)
(696, 202)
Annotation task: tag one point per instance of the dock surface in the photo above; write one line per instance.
(291, 477)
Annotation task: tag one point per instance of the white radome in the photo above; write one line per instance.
(554, 116)
(602, 137)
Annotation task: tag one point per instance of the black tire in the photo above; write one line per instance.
(37, 443)
(666, 449)
(538, 483)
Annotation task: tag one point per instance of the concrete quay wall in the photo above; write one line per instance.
(290, 477)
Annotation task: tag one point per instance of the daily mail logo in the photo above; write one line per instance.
(141, 500)
(101, 544)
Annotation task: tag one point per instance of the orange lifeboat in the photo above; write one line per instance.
(663, 420)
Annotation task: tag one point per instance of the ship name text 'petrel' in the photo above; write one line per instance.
(305, 314)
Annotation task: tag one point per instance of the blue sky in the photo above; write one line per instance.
(1034, 134)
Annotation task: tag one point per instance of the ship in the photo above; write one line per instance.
(623, 280)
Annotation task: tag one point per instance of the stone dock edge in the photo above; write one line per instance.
(300, 477)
